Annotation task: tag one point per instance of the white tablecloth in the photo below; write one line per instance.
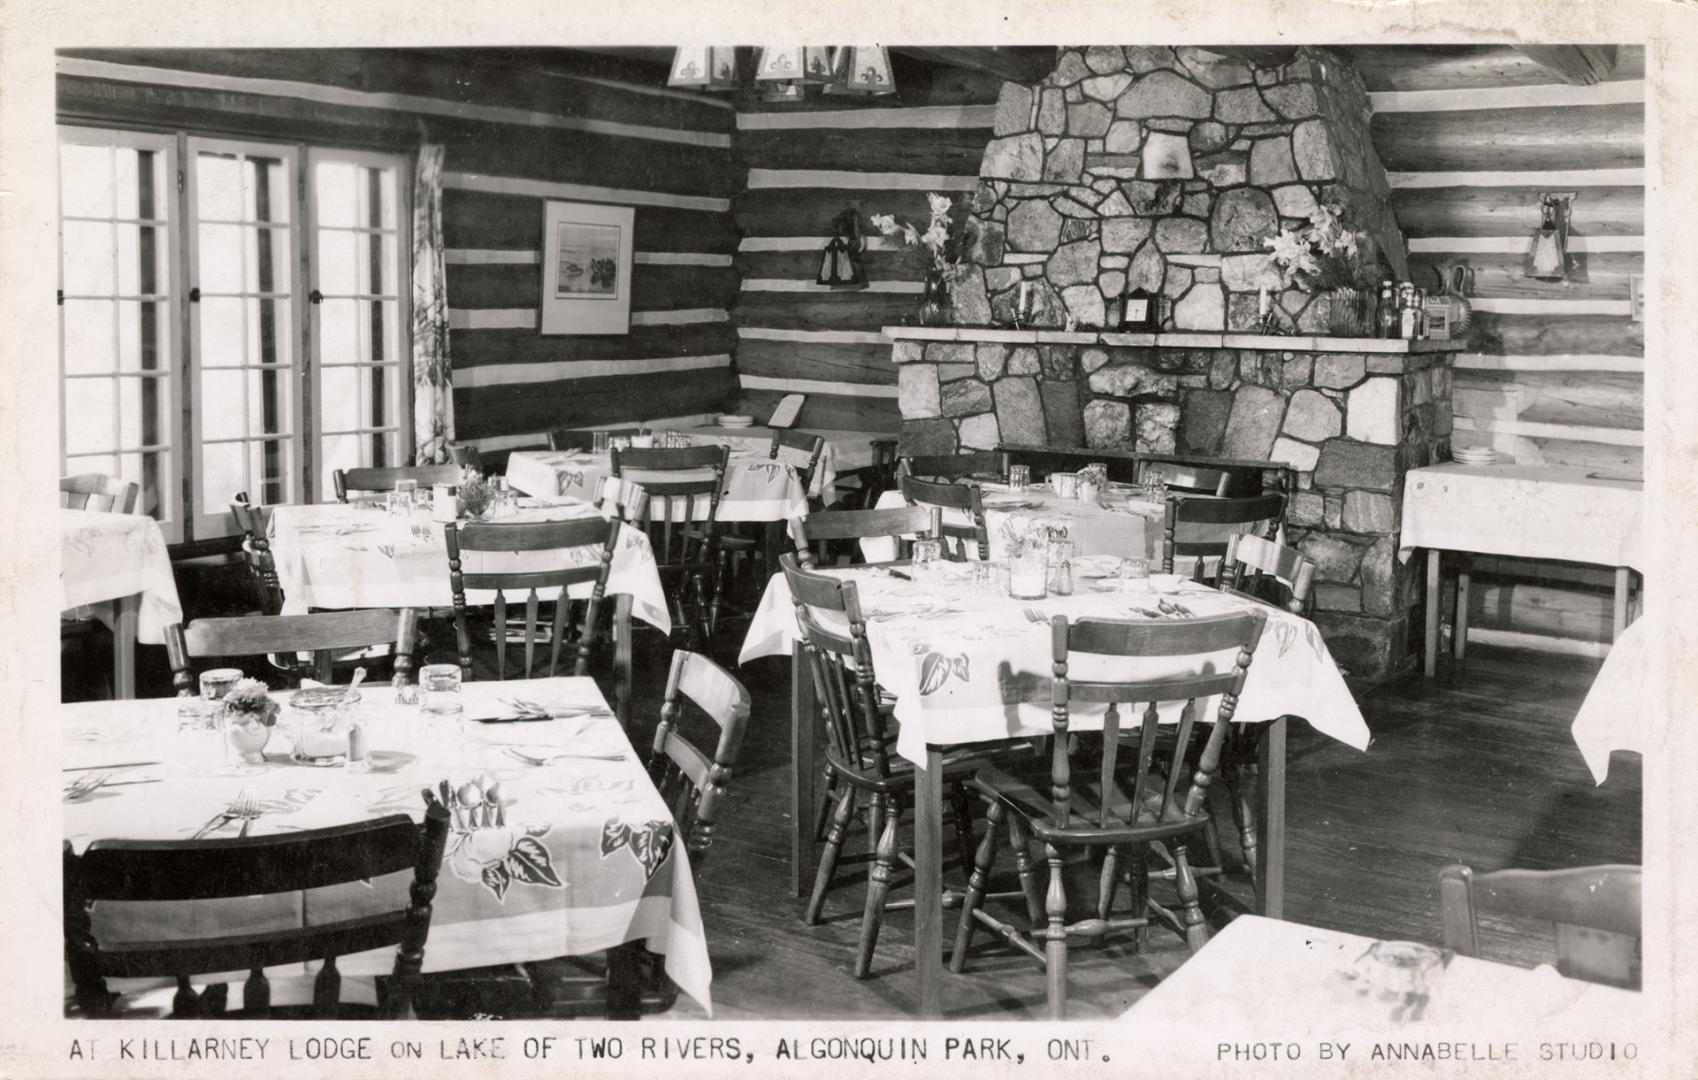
(1120, 525)
(1619, 712)
(106, 556)
(1261, 979)
(967, 665)
(756, 488)
(355, 555)
(585, 861)
(1532, 511)
(844, 451)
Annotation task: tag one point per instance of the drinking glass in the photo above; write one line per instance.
(440, 690)
(983, 573)
(216, 683)
(925, 560)
(599, 442)
(1065, 484)
(1019, 477)
(1135, 575)
(200, 734)
(1027, 575)
(398, 503)
(408, 489)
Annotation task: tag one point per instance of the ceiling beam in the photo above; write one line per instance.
(1578, 65)
(1020, 64)
(1262, 56)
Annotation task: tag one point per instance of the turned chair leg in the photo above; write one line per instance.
(1109, 883)
(828, 857)
(828, 799)
(976, 885)
(1244, 817)
(878, 888)
(1020, 839)
(1055, 936)
(962, 807)
(1196, 929)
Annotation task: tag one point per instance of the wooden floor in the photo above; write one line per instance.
(1476, 766)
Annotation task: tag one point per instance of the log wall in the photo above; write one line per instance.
(1554, 371)
(515, 136)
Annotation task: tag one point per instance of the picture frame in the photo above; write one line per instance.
(1636, 296)
(586, 268)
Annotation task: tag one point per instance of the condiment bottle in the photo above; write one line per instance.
(357, 760)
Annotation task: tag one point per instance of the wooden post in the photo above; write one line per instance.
(804, 798)
(1430, 661)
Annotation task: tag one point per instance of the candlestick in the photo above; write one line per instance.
(1264, 302)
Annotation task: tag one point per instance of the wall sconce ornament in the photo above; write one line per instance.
(793, 63)
(840, 263)
(1547, 253)
(861, 69)
(704, 67)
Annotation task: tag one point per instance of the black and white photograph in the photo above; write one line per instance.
(594, 548)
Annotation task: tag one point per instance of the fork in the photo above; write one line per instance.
(84, 786)
(248, 809)
(1036, 616)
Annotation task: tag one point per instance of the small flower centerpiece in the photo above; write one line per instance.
(1325, 257)
(943, 241)
(249, 716)
(477, 494)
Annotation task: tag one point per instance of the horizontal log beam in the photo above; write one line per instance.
(1514, 211)
(823, 311)
(950, 151)
(1016, 64)
(1600, 276)
(1577, 65)
(1585, 399)
(830, 412)
(809, 211)
(869, 364)
(1540, 334)
(482, 412)
(900, 264)
(471, 348)
(480, 219)
(1566, 137)
(1454, 67)
(653, 288)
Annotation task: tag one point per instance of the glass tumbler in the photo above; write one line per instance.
(1019, 477)
(599, 442)
(1028, 574)
(439, 690)
(927, 553)
(1135, 575)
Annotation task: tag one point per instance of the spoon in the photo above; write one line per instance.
(359, 677)
(472, 799)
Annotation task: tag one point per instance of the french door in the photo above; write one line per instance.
(234, 317)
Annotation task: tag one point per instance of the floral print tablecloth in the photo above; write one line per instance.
(106, 556)
(968, 664)
(1121, 523)
(585, 861)
(756, 487)
(356, 555)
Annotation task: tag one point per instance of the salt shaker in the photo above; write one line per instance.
(357, 759)
(1063, 584)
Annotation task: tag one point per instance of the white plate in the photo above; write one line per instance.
(736, 420)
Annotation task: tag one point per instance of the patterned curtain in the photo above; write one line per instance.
(433, 392)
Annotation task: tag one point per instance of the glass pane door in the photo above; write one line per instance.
(242, 260)
(118, 340)
(356, 262)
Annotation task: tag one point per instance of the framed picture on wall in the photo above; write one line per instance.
(586, 268)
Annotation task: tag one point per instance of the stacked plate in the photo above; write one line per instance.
(736, 420)
(1474, 455)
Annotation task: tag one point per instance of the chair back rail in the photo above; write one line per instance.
(841, 667)
(1596, 911)
(693, 783)
(824, 526)
(385, 478)
(1250, 560)
(97, 491)
(1263, 511)
(964, 499)
(464, 456)
(800, 450)
(256, 553)
(1123, 465)
(1207, 476)
(323, 633)
(179, 871)
(562, 536)
(979, 465)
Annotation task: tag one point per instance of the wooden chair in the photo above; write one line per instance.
(571, 544)
(981, 465)
(1120, 808)
(1596, 911)
(683, 536)
(256, 552)
(1123, 465)
(1214, 522)
(692, 783)
(800, 450)
(1251, 561)
(465, 457)
(326, 634)
(184, 871)
(825, 526)
(1205, 476)
(97, 491)
(859, 747)
(966, 509)
(385, 478)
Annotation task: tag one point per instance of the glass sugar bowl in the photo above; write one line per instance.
(320, 719)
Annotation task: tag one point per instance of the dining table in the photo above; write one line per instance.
(1525, 511)
(1123, 520)
(572, 852)
(115, 568)
(843, 451)
(1263, 986)
(757, 488)
(968, 664)
(1621, 710)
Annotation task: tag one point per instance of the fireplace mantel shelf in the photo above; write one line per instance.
(1258, 342)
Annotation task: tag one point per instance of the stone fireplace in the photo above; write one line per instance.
(1167, 169)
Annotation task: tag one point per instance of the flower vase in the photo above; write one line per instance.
(1350, 313)
(246, 734)
(936, 308)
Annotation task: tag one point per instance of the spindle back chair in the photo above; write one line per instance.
(1212, 523)
(1596, 911)
(326, 634)
(381, 479)
(681, 515)
(97, 491)
(824, 527)
(962, 514)
(693, 783)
